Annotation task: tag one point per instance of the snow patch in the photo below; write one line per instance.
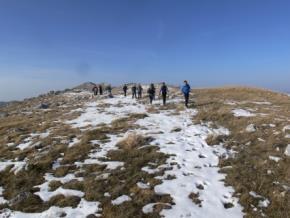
(83, 209)
(17, 165)
(95, 115)
(2, 200)
(251, 128)
(287, 150)
(242, 113)
(121, 200)
(142, 185)
(46, 195)
(191, 161)
(276, 159)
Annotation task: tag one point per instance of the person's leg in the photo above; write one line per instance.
(164, 99)
(186, 99)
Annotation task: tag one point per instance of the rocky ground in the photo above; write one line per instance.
(68, 154)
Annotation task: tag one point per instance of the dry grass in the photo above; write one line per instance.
(252, 170)
(249, 170)
(133, 141)
(195, 199)
(23, 119)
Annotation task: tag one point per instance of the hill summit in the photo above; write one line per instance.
(72, 154)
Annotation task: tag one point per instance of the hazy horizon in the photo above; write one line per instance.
(47, 89)
(53, 45)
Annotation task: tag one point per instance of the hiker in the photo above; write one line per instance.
(95, 90)
(109, 89)
(139, 91)
(101, 89)
(163, 92)
(151, 92)
(134, 89)
(125, 88)
(186, 90)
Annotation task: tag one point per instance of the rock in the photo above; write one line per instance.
(228, 205)
(43, 106)
(25, 200)
(251, 128)
(287, 150)
(3, 114)
(200, 187)
(91, 216)
(177, 129)
(201, 156)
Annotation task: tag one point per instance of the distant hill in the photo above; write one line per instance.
(85, 86)
(2, 103)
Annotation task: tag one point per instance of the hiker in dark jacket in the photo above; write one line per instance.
(139, 91)
(134, 91)
(125, 88)
(95, 90)
(163, 92)
(186, 90)
(101, 89)
(151, 93)
(109, 90)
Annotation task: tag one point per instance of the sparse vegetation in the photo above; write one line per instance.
(251, 169)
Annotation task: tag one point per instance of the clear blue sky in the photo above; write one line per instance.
(55, 44)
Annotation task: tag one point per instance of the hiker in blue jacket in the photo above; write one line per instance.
(186, 90)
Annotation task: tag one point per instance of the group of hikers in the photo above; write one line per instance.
(137, 91)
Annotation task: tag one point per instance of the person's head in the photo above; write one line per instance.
(152, 85)
(185, 82)
(163, 83)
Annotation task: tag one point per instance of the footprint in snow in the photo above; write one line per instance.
(202, 156)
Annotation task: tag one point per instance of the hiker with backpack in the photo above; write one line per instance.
(163, 92)
(139, 91)
(151, 92)
(125, 88)
(101, 89)
(186, 90)
(109, 90)
(95, 90)
(134, 91)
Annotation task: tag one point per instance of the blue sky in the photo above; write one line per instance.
(55, 44)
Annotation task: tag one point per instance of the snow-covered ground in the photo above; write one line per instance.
(192, 165)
